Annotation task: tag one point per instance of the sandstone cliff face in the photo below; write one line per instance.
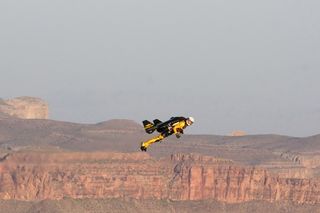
(38, 176)
(234, 184)
(308, 160)
(25, 107)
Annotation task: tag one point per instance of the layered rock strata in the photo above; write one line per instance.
(39, 176)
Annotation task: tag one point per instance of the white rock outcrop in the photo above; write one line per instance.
(25, 108)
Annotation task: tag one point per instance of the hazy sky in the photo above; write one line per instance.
(248, 65)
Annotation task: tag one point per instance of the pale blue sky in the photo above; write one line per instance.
(248, 65)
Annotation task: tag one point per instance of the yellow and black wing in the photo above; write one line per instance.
(148, 126)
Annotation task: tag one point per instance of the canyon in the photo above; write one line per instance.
(40, 175)
(47, 162)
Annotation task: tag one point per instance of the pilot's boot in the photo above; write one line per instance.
(145, 145)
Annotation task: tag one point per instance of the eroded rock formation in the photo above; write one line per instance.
(55, 175)
(238, 133)
(25, 107)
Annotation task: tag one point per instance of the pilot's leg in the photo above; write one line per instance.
(145, 145)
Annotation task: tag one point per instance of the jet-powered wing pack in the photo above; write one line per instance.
(174, 125)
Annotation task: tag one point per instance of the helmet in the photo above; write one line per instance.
(190, 121)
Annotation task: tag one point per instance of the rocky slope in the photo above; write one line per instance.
(286, 156)
(37, 175)
(24, 107)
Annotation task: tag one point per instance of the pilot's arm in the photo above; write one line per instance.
(178, 129)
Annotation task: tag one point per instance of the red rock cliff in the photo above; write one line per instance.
(38, 176)
(198, 180)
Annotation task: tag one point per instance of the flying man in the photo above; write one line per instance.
(173, 126)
